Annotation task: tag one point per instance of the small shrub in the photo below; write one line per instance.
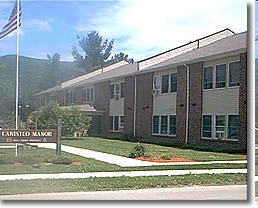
(137, 151)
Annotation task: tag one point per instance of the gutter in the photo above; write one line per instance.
(187, 102)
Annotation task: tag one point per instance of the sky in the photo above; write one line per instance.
(140, 28)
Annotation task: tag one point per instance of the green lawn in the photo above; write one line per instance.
(117, 183)
(123, 148)
(29, 158)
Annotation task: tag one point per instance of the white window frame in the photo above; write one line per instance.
(159, 125)
(89, 90)
(170, 82)
(214, 76)
(212, 124)
(215, 84)
(231, 139)
(219, 132)
(228, 74)
(120, 123)
(213, 127)
(212, 80)
(157, 84)
(117, 89)
(71, 97)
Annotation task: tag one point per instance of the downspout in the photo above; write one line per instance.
(135, 103)
(187, 103)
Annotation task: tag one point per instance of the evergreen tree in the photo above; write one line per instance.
(96, 51)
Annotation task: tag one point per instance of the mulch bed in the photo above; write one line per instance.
(159, 160)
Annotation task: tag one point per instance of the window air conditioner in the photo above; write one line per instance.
(155, 92)
(117, 97)
(220, 134)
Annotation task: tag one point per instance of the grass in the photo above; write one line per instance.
(123, 148)
(117, 183)
(31, 157)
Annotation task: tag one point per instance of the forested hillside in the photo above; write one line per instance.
(35, 75)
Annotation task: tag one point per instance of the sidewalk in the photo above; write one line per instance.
(118, 174)
(123, 161)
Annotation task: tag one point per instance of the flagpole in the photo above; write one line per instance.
(17, 75)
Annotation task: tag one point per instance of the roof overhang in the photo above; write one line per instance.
(87, 109)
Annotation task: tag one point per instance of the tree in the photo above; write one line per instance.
(120, 57)
(72, 119)
(96, 51)
(46, 117)
(54, 61)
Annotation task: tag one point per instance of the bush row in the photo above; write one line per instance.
(169, 143)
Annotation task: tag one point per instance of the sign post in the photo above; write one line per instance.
(58, 142)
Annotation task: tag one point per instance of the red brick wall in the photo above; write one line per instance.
(129, 104)
(195, 102)
(144, 105)
(181, 103)
(101, 102)
(243, 101)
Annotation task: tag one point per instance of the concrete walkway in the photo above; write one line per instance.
(118, 174)
(124, 161)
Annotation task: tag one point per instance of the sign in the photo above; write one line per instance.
(28, 136)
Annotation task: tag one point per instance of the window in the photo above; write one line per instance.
(234, 74)
(173, 82)
(155, 125)
(116, 123)
(89, 95)
(70, 97)
(156, 82)
(164, 125)
(220, 127)
(233, 127)
(164, 83)
(208, 78)
(116, 90)
(221, 76)
(207, 126)
(122, 89)
(121, 123)
(111, 91)
(111, 123)
(172, 125)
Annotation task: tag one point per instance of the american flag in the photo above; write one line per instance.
(11, 25)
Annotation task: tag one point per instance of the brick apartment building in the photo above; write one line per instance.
(193, 94)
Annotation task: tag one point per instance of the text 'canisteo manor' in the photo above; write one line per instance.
(27, 133)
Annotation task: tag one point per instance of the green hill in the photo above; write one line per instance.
(35, 75)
